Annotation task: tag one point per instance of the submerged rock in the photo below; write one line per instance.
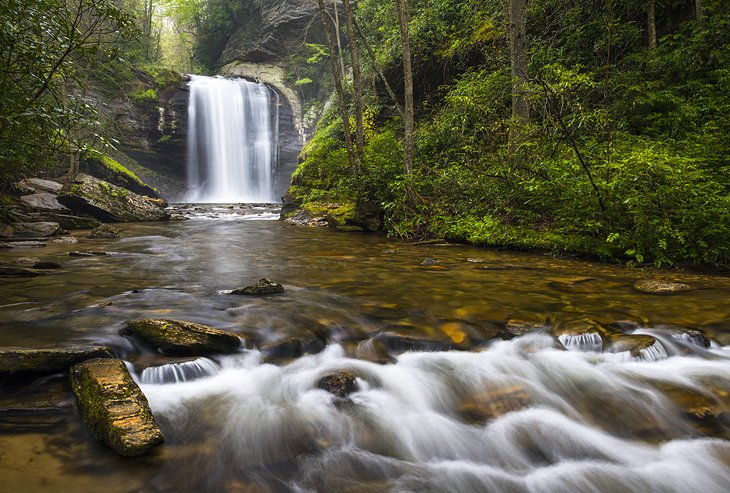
(18, 271)
(87, 253)
(109, 202)
(340, 384)
(114, 407)
(262, 287)
(46, 265)
(183, 338)
(429, 262)
(48, 359)
(492, 403)
(660, 287)
(104, 231)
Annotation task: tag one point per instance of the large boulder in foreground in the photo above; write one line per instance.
(110, 203)
(48, 359)
(114, 407)
(183, 338)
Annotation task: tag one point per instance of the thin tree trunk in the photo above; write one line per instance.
(374, 61)
(651, 22)
(518, 59)
(403, 21)
(338, 37)
(356, 78)
(351, 156)
(699, 10)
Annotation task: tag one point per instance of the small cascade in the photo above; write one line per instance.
(233, 138)
(179, 372)
(587, 342)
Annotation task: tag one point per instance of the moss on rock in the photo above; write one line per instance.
(183, 338)
(114, 407)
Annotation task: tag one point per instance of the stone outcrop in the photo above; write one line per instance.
(108, 170)
(183, 338)
(262, 287)
(114, 407)
(48, 359)
(109, 202)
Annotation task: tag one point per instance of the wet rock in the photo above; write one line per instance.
(295, 347)
(429, 262)
(6, 231)
(580, 335)
(492, 403)
(33, 185)
(104, 231)
(65, 240)
(398, 343)
(638, 346)
(66, 221)
(690, 336)
(87, 253)
(114, 407)
(29, 406)
(43, 201)
(517, 328)
(262, 287)
(109, 202)
(27, 261)
(48, 359)
(660, 287)
(36, 230)
(22, 244)
(46, 265)
(340, 384)
(183, 338)
(16, 271)
(179, 217)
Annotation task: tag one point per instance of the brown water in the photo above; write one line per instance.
(257, 424)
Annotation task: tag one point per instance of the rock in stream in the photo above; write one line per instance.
(183, 338)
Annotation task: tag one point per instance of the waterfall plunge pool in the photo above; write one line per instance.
(447, 400)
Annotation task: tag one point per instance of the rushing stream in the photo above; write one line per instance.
(450, 398)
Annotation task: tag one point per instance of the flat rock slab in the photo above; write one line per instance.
(661, 287)
(183, 338)
(109, 202)
(48, 359)
(36, 230)
(262, 287)
(114, 407)
(43, 201)
(32, 185)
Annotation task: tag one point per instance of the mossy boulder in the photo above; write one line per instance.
(110, 203)
(114, 407)
(112, 171)
(48, 359)
(262, 287)
(183, 338)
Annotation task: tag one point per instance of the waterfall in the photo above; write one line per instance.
(232, 141)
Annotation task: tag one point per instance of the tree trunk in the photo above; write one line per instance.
(651, 23)
(338, 37)
(351, 156)
(356, 78)
(699, 11)
(518, 58)
(403, 21)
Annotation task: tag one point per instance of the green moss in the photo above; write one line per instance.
(148, 96)
(340, 213)
(115, 166)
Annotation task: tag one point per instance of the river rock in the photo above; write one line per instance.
(262, 287)
(43, 201)
(105, 231)
(36, 230)
(340, 384)
(33, 185)
(114, 407)
(87, 253)
(109, 202)
(660, 287)
(18, 271)
(638, 346)
(48, 359)
(183, 338)
(429, 262)
(494, 402)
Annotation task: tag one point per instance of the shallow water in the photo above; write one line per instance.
(443, 403)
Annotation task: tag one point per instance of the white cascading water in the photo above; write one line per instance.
(574, 429)
(232, 141)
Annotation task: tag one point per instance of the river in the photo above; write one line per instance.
(451, 397)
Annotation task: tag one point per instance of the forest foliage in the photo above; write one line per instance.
(625, 155)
